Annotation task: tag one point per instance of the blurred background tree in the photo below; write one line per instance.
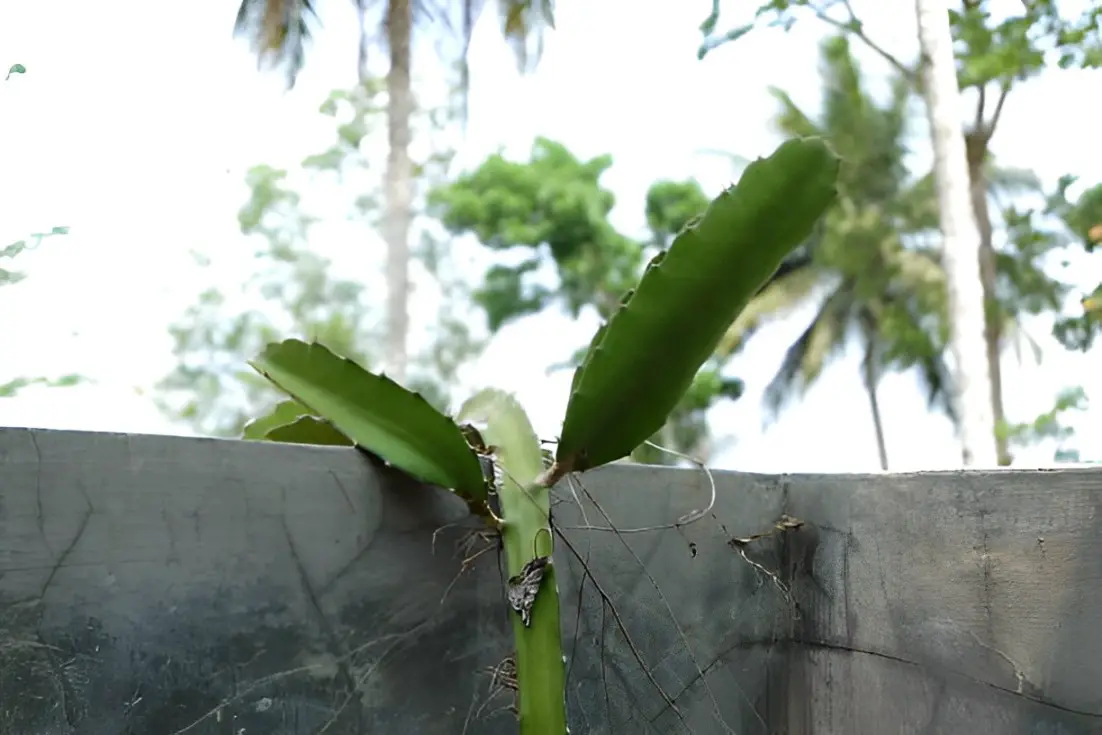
(1084, 219)
(873, 269)
(279, 32)
(295, 292)
(996, 52)
(547, 220)
(8, 277)
(865, 282)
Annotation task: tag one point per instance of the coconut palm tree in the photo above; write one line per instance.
(1018, 55)
(874, 269)
(278, 31)
(882, 293)
(865, 281)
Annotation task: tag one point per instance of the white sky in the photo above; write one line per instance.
(136, 121)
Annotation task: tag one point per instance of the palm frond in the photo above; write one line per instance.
(800, 258)
(277, 31)
(918, 268)
(917, 204)
(917, 207)
(1014, 331)
(869, 137)
(897, 116)
(847, 108)
(523, 26)
(791, 121)
(1011, 180)
(471, 10)
(363, 42)
(805, 358)
(523, 23)
(935, 378)
(913, 338)
(778, 298)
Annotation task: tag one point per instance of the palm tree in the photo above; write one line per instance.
(1000, 325)
(874, 268)
(856, 268)
(884, 294)
(278, 31)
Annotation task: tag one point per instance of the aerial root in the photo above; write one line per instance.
(470, 547)
(784, 524)
(503, 678)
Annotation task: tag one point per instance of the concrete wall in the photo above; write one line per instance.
(154, 585)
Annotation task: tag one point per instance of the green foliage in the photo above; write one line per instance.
(992, 47)
(309, 430)
(1083, 219)
(1019, 46)
(861, 269)
(527, 534)
(685, 301)
(376, 413)
(671, 206)
(12, 387)
(285, 412)
(686, 429)
(8, 277)
(1092, 304)
(15, 69)
(1048, 425)
(523, 23)
(552, 210)
(1024, 288)
(294, 288)
(995, 50)
(354, 113)
(873, 268)
(551, 206)
(278, 32)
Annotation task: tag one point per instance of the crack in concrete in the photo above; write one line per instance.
(65, 553)
(339, 652)
(943, 673)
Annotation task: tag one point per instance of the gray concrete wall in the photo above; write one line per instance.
(154, 585)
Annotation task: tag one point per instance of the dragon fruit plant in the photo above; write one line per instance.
(637, 367)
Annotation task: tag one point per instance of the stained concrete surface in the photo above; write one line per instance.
(158, 585)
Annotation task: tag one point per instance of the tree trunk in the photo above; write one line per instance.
(398, 186)
(961, 237)
(871, 378)
(976, 143)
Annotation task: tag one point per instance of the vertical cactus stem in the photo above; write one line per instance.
(524, 504)
(534, 596)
